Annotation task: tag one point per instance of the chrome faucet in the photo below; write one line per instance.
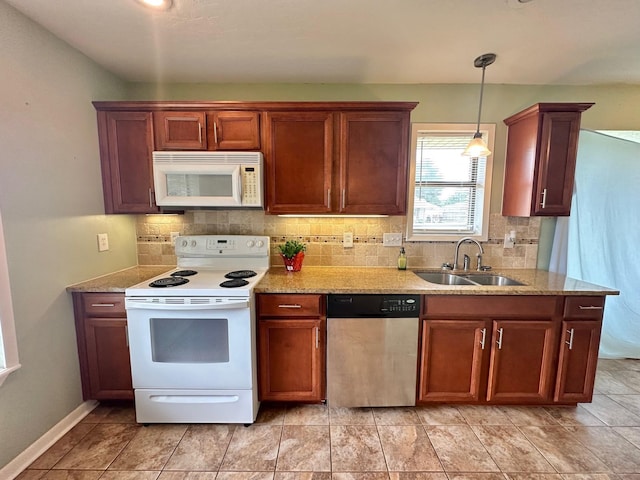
(466, 263)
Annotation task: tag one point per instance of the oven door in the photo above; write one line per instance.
(191, 346)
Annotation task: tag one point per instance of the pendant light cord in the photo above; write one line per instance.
(477, 134)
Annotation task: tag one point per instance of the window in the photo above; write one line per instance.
(449, 194)
(8, 344)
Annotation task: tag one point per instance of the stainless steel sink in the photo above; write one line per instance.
(491, 279)
(468, 279)
(444, 278)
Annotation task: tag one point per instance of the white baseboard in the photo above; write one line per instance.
(37, 448)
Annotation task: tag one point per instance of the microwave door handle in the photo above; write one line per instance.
(210, 306)
(240, 185)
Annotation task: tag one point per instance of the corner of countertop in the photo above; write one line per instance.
(120, 280)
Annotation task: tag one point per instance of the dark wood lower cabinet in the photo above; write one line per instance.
(291, 347)
(522, 361)
(453, 354)
(291, 360)
(509, 350)
(103, 350)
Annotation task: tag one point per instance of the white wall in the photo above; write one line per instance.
(52, 209)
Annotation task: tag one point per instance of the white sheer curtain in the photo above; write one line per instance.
(603, 244)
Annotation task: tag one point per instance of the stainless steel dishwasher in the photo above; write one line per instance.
(372, 350)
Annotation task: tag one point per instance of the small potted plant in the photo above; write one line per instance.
(292, 253)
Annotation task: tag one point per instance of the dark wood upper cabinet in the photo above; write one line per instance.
(346, 158)
(233, 130)
(180, 130)
(373, 162)
(299, 161)
(126, 144)
(320, 157)
(540, 162)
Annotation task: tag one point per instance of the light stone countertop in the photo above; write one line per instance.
(119, 281)
(390, 280)
(365, 280)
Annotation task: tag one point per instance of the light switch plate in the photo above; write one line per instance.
(103, 242)
(347, 240)
(391, 239)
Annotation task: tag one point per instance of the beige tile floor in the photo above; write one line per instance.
(599, 441)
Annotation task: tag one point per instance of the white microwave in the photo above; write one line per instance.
(208, 179)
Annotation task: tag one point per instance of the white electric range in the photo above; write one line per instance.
(192, 333)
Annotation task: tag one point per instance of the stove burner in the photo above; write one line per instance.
(184, 273)
(168, 282)
(236, 282)
(241, 274)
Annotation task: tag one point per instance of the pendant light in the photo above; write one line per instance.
(477, 147)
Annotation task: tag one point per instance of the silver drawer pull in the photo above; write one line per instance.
(499, 341)
(290, 306)
(103, 304)
(589, 307)
(570, 342)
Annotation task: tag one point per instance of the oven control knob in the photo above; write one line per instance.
(193, 243)
(185, 243)
(250, 243)
(260, 243)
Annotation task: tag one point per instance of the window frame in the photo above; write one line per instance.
(9, 360)
(488, 133)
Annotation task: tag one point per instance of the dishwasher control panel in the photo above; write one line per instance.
(372, 306)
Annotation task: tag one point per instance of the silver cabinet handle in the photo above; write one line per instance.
(589, 307)
(543, 204)
(103, 304)
(317, 338)
(484, 337)
(344, 194)
(150, 198)
(199, 133)
(215, 133)
(499, 342)
(570, 342)
(328, 198)
(294, 305)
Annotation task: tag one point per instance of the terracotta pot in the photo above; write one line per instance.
(293, 264)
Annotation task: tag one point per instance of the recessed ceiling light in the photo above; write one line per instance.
(157, 4)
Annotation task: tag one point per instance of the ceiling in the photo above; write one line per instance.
(548, 42)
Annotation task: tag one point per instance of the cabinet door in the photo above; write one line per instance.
(298, 157)
(291, 359)
(230, 130)
(108, 358)
(521, 361)
(180, 130)
(373, 158)
(557, 163)
(452, 357)
(126, 143)
(579, 344)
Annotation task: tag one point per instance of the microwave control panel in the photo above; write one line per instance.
(251, 187)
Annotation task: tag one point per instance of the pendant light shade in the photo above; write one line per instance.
(477, 147)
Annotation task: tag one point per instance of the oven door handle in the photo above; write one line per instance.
(232, 305)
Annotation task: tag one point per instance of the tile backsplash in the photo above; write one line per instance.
(323, 237)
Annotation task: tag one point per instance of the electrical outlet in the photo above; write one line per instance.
(347, 240)
(510, 239)
(103, 242)
(391, 239)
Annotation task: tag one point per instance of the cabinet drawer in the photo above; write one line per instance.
(289, 305)
(103, 304)
(584, 307)
(493, 306)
